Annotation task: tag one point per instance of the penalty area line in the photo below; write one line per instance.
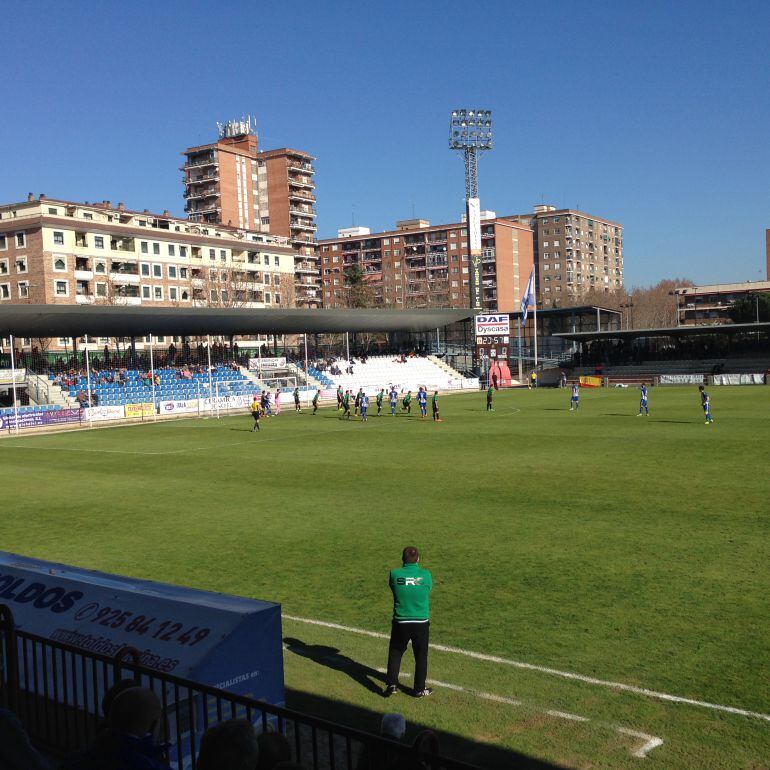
(643, 691)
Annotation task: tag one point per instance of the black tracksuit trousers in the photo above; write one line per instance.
(400, 636)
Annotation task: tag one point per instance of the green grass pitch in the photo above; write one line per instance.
(628, 549)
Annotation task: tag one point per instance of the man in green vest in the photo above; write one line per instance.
(411, 586)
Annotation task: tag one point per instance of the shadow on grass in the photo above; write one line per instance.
(458, 747)
(332, 658)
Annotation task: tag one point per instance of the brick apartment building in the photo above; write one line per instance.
(575, 253)
(424, 265)
(233, 182)
(697, 305)
(60, 252)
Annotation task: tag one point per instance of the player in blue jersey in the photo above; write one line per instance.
(643, 405)
(393, 401)
(706, 404)
(574, 402)
(364, 407)
(422, 402)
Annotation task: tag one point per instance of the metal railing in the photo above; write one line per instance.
(56, 690)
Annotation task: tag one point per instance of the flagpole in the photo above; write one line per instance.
(518, 335)
(534, 294)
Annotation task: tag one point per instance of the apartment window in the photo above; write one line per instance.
(3, 243)
(396, 252)
(173, 293)
(324, 248)
(58, 238)
(21, 264)
(144, 247)
(223, 255)
(213, 295)
(21, 240)
(100, 267)
(172, 271)
(183, 272)
(5, 290)
(545, 243)
(265, 220)
(335, 260)
(267, 298)
(157, 271)
(156, 248)
(396, 240)
(157, 292)
(4, 267)
(87, 215)
(464, 244)
(146, 294)
(387, 252)
(52, 211)
(144, 269)
(98, 241)
(60, 264)
(101, 289)
(335, 247)
(183, 251)
(546, 255)
(212, 253)
(185, 296)
(61, 288)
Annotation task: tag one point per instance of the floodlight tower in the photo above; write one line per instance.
(471, 132)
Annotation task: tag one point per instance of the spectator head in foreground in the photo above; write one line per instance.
(230, 745)
(120, 686)
(411, 555)
(274, 749)
(393, 726)
(135, 711)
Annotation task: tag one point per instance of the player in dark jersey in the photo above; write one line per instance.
(434, 403)
(346, 404)
(297, 407)
(380, 396)
(339, 398)
(358, 399)
(406, 403)
(315, 401)
(705, 402)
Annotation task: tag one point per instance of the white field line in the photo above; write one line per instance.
(650, 742)
(553, 672)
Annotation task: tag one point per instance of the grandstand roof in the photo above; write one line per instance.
(669, 331)
(114, 321)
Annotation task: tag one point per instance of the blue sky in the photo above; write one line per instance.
(655, 114)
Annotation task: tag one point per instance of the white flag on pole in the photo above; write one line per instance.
(528, 300)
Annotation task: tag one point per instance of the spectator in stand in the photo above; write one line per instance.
(16, 751)
(273, 750)
(230, 745)
(393, 727)
(128, 742)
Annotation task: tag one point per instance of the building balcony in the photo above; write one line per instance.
(200, 163)
(84, 299)
(301, 195)
(305, 267)
(302, 226)
(202, 211)
(306, 167)
(196, 193)
(124, 277)
(84, 275)
(201, 179)
(301, 182)
(302, 212)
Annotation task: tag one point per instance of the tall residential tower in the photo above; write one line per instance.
(232, 182)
